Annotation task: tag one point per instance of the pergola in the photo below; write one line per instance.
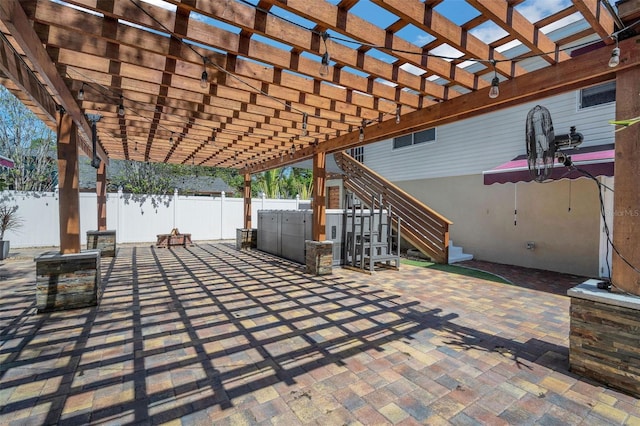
(259, 84)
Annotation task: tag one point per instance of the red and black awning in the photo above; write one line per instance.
(597, 160)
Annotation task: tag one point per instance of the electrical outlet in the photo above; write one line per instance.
(531, 245)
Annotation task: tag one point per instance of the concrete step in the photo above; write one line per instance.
(456, 254)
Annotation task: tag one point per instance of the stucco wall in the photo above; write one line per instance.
(483, 220)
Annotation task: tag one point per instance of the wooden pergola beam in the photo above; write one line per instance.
(14, 18)
(565, 76)
(15, 69)
(509, 19)
(429, 20)
(359, 29)
(598, 17)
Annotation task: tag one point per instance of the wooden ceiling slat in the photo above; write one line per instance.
(357, 28)
(445, 31)
(13, 17)
(598, 18)
(251, 112)
(510, 20)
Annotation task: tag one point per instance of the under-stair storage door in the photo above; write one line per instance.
(269, 231)
(293, 233)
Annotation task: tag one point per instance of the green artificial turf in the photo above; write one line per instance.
(452, 269)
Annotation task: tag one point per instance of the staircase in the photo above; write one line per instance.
(421, 226)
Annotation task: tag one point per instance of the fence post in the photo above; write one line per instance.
(119, 225)
(222, 201)
(175, 207)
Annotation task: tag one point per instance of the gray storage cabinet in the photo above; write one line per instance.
(283, 233)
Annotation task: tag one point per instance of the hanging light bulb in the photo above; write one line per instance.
(304, 124)
(204, 79)
(80, 96)
(494, 92)
(361, 135)
(292, 151)
(171, 138)
(324, 65)
(121, 107)
(398, 114)
(615, 57)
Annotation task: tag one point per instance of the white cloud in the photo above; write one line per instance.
(412, 69)
(446, 50)
(163, 4)
(538, 9)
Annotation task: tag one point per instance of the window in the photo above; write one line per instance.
(358, 153)
(423, 136)
(598, 95)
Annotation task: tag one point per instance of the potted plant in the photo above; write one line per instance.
(8, 220)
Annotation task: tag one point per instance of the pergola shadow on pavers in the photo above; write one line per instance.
(211, 334)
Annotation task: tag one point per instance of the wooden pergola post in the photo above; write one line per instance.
(69, 197)
(101, 192)
(626, 200)
(247, 201)
(319, 204)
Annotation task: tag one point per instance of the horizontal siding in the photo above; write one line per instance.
(481, 143)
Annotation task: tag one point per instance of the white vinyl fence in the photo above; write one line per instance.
(136, 218)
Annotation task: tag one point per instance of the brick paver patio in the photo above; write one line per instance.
(210, 335)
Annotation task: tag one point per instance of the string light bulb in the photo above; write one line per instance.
(304, 124)
(494, 92)
(614, 61)
(361, 134)
(80, 96)
(324, 65)
(121, 107)
(204, 79)
(398, 114)
(171, 138)
(292, 151)
(324, 62)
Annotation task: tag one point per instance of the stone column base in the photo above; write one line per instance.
(319, 257)
(67, 281)
(604, 343)
(246, 238)
(105, 241)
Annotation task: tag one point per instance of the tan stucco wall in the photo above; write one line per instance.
(483, 220)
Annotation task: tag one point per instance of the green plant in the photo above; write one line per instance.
(9, 219)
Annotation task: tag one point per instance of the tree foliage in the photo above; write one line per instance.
(137, 177)
(29, 143)
(284, 183)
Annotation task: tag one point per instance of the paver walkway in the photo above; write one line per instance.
(210, 335)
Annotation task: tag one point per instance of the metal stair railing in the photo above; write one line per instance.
(427, 230)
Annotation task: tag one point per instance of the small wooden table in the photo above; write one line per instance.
(169, 240)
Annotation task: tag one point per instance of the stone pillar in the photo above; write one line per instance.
(67, 281)
(246, 238)
(604, 344)
(105, 241)
(319, 257)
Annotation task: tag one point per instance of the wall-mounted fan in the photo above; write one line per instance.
(544, 146)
